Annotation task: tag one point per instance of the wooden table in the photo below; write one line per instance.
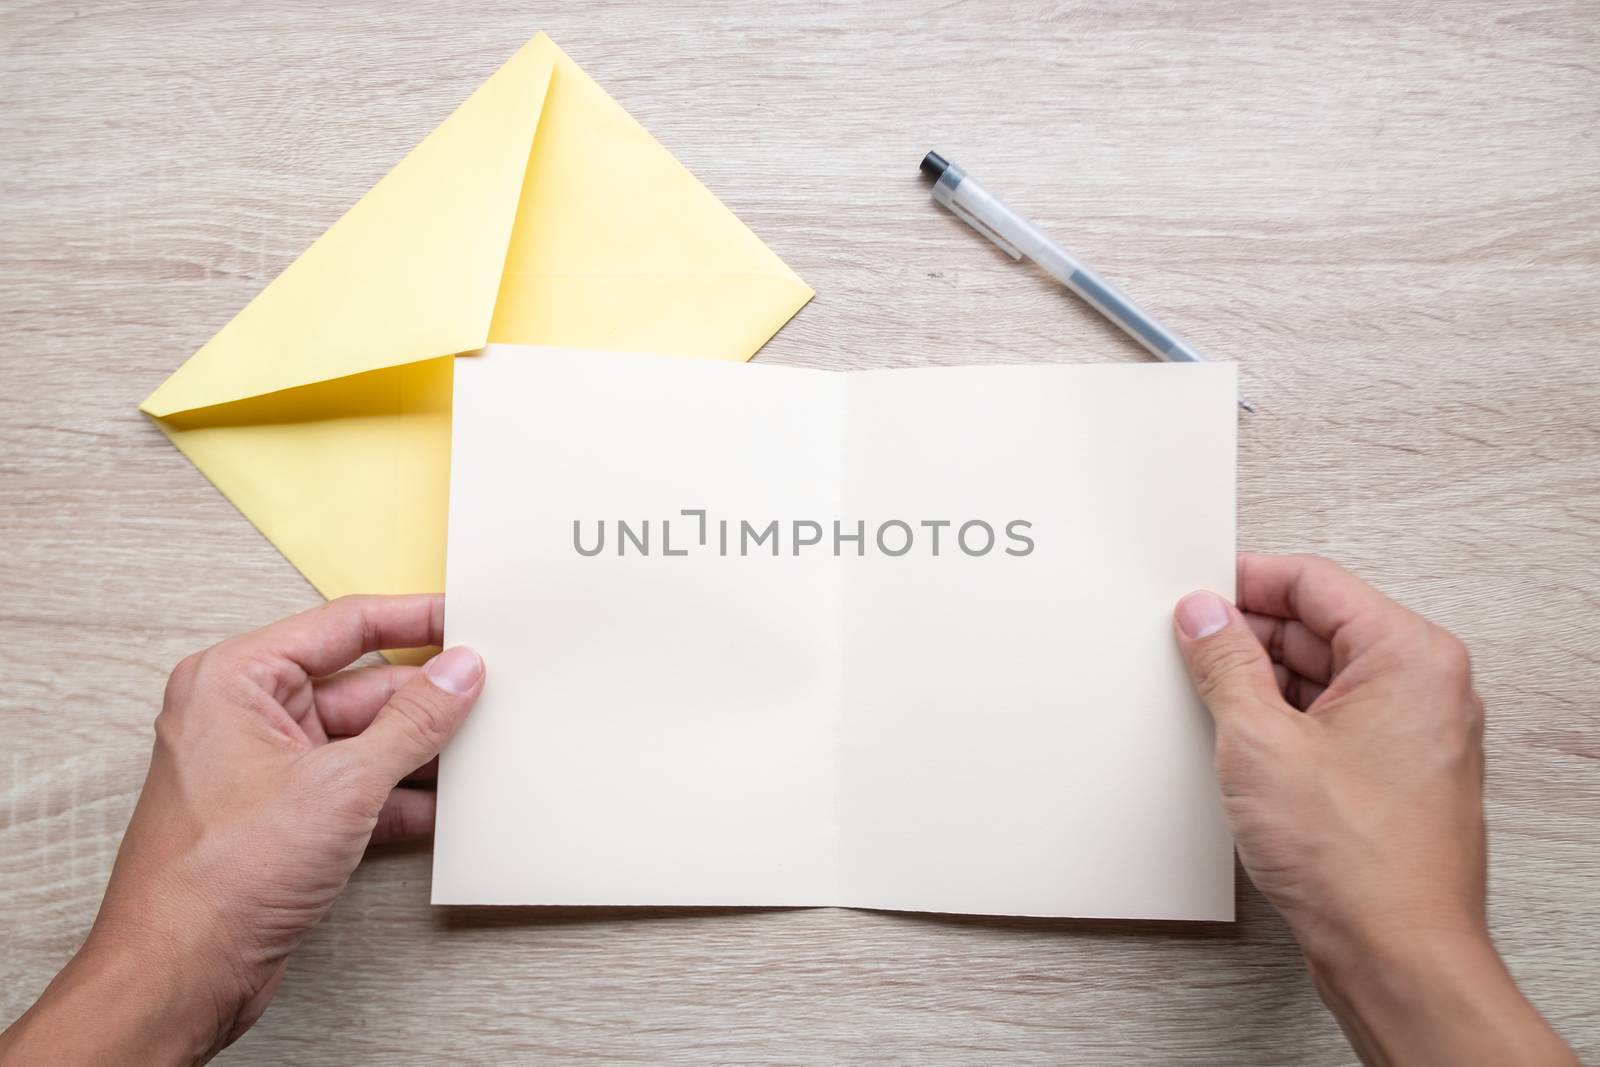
(1387, 213)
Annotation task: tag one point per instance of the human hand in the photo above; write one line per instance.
(1349, 752)
(271, 774)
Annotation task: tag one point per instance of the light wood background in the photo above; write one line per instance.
(1387, 213)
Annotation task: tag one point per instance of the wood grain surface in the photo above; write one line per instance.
(1387, 213)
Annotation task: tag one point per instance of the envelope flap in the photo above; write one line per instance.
(618, 245)
(411, 272)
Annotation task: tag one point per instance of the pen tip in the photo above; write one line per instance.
(1247, 405)
(934, 165)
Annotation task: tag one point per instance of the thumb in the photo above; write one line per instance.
(1230, 669)
(422, 714)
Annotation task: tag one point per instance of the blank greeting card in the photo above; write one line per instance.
(901, 639)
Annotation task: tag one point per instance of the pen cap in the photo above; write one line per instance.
(972, 203)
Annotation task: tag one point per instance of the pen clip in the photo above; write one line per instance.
(984, 228)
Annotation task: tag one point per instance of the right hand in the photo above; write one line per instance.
(1350, 756)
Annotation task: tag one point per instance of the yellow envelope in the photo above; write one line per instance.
(540, 212)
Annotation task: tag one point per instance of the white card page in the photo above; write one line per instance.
(679, 716)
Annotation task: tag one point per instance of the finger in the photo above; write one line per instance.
(347, 702)
(333, 635)
(1228, 665)
(1318, 592)
(1297, 689)
(406, 815)
(1291, 643)
(414, 724)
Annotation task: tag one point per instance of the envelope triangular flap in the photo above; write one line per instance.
(409, 273)
(618, 247)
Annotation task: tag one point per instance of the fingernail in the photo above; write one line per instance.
(1202, 614)
(455, 670)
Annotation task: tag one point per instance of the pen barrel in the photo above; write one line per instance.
(1136, 323)
(1112, 302)
(1018, 238)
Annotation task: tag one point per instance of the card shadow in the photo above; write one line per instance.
(1250, 909)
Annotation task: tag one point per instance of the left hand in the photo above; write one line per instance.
(270, 776)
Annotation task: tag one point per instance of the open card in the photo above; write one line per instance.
(763, 635)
